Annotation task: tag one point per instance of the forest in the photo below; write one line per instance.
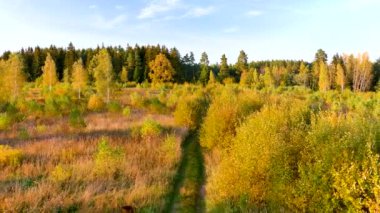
(144, 128)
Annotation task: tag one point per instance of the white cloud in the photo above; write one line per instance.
(200, 11)
(157, 6)
(231, 30)
(101, 22)
(254, 13)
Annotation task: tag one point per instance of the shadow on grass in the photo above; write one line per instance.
(186, 194)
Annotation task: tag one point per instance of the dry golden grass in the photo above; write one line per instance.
(57, 171)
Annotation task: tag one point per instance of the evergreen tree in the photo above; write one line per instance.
(321, 56)
(139, 71)
(80, 77)
(130, 64)
(204, 63)
(161, 69)
(175, 61)
(37, 63)
(224, 71)
(49, 76)
(242, 63)
(103, 74)
(69, 59)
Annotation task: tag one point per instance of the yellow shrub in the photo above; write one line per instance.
(10, 156)
(60, 174)
(107, 159)
(150, 128)
(95, 103)
(190, 111)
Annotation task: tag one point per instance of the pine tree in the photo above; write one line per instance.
(242, 63)
(340, 77)
(224, 71)
(14, 78)
(161, 69)
(324, 79)
(49, 76)
(130, 65)
(80, 77)
(204, 62)
(103, 74)
(139, 71)
(69, 59)
(175, 61)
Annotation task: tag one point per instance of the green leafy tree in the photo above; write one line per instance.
(268, 77)
(161, 69)
(49, 76)
(80, 77)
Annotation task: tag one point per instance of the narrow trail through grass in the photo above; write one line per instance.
(187, 195)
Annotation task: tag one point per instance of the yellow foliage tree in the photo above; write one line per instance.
(324, 79)
(161, 69)
(49, 76)
(103, 73)
(80, 77)
(13, 79)
(124, 74)
(340, 77)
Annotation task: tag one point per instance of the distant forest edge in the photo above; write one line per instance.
(134, 64)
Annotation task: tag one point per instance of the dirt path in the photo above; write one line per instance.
(187, 195)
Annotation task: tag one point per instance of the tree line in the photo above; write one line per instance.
(159, 63)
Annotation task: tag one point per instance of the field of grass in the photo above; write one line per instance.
(189, 148)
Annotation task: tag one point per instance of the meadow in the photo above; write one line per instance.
(191, 148)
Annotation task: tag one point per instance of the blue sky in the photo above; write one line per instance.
(265, 29)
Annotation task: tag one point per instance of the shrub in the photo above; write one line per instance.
(60, 174)
(10, 156)
(127, 111)
(150, 128)
(76, 119)
(170, 147)
(155, 105)
(95, 103)
(190, 111)
(225, 113)
(108, 159)
(136, 99)
(114, 107)
(264, 154)
(23, 134)
(5, 121)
